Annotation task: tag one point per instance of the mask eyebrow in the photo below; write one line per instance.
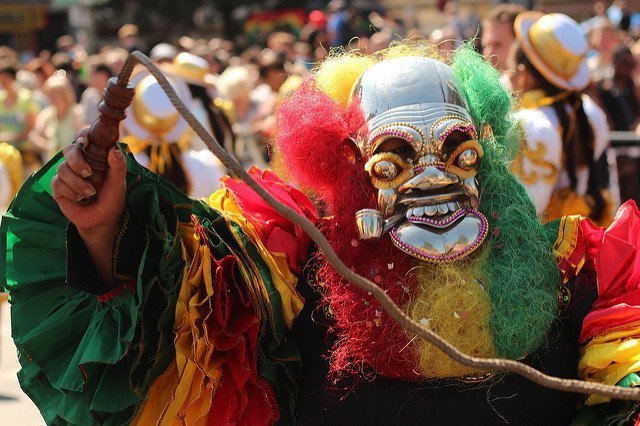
(458, 131)
(401, 131)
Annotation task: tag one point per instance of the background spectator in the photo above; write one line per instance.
(56, 125)
(498, 34)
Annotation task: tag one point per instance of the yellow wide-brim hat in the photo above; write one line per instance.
(191, 68)
(152, 118)
(556, 46)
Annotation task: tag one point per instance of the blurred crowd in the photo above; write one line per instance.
(46, 97)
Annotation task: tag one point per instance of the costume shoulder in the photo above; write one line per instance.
(610, 260)
(204, 170)
(539, 160)
(200, 334)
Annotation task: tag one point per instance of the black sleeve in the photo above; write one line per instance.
(127, 252)
(579, 293)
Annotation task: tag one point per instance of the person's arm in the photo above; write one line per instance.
(98, 223)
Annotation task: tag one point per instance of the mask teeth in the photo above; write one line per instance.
(420, 254)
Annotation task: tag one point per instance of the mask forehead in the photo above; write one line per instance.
(422, 155)
(413, 91)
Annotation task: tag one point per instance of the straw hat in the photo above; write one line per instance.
(191, 68)
(151, 117)
(556, 46)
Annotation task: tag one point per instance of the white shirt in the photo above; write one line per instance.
(540, 169)
(202, 167)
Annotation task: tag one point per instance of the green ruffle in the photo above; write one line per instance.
(87, 362)
(76, 352)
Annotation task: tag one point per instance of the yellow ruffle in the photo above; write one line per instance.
(12, 160)
(609, 358)
(183, 394)
(283, 279)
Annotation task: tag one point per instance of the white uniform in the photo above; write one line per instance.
(540, 167)
(203, 169)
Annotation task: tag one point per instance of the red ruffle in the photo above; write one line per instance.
(242, 396)
(278, 233)
(613, 254)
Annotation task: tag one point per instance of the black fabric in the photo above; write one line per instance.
(509, 399)
(127, 252)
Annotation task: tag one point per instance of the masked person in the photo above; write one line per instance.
(565, 133)
(193, 311)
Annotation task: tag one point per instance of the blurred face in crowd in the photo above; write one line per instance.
(625, 65)
(519, 76)
(6, 81)
(604, 39)
(497, 38)
(98, 79)
(58, 99)
(274, 77)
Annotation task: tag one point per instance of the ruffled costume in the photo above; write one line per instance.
(610, 333)
(201, 334)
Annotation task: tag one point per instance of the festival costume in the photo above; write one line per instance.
(216, 315)
(540, 167)
(557, 48)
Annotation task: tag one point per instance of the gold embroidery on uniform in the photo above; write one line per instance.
(543, 170)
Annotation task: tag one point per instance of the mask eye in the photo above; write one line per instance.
(388, 170)
(465, 159)
(468, 159)
(398, 146)
(385, 170)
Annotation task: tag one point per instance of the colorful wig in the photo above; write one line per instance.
(515, 268)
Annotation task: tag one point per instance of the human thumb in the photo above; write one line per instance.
(117, 166)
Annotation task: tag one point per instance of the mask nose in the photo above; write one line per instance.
(431, 176)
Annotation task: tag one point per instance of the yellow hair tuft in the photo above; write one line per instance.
(337, 75)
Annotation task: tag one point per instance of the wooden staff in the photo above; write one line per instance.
(104, 133)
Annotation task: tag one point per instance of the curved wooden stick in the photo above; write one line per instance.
(408, 324)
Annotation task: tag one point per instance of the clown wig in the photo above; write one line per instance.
(499, 300)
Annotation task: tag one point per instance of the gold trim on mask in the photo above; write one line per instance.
(462, 173)
(394, 130)
(403, 175)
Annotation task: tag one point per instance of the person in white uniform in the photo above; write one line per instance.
(564, 131)
(160, 139)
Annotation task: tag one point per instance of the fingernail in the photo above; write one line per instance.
(117, 151)
(86, 173)
(89, 192)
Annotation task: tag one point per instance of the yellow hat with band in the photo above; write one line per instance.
(556, 46)
(192, 68)
(151, 117)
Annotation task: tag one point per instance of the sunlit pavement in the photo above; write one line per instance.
(15, 408)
